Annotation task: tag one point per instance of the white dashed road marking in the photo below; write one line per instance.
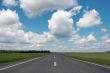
(55, 64)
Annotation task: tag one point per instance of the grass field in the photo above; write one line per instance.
(99, 58)
(11, 57)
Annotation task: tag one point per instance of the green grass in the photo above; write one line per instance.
(99, 58)
(11, 57)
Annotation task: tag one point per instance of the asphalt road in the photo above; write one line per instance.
(53, 63)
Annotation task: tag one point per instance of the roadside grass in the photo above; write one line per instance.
(99, 58)
(11, 57)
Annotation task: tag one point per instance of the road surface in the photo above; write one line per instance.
(53, 63)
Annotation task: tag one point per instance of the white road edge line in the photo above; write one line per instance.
(55, 64)
(92, 63)
(18, 64)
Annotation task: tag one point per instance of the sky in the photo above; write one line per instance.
(55, 25)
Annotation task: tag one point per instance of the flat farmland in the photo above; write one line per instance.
(11, 57)
(99, 58)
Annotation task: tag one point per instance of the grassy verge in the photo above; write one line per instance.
(11, 57)
(99, 58)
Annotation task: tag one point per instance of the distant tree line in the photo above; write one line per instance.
(22, 51)
(108, 51)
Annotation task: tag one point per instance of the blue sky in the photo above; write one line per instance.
(35, 19)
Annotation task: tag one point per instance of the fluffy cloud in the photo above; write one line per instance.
(89, 44)
(77, 39)
(13, 36)
(104, 30)
(61, 23)
(46, 37)
(9, 3)
(89, 19)
(11, 29)
(75, 10)
(91, 38)
(10, 18)
(36, 7)
(9, 24)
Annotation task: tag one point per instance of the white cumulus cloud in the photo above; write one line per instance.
(104, 30)
(61, 23)
(13, 36)
(9, 25)
(78, 40)
(91, 38)
(36, 7)
(9, 3)
(89, 19)
(11, 29)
